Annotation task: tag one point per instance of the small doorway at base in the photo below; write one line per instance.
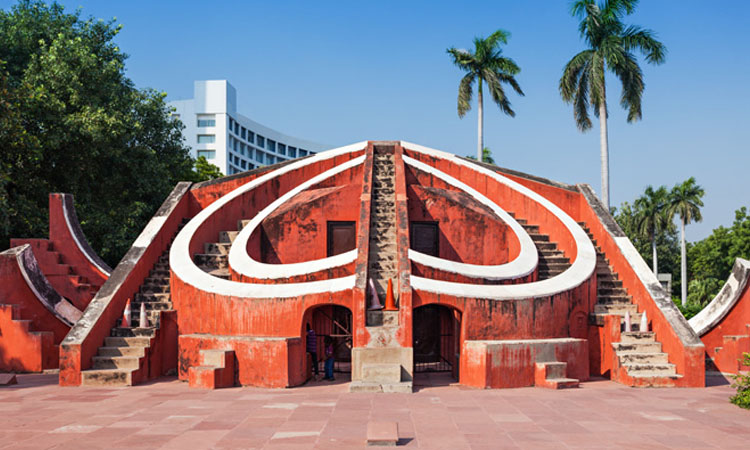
(436, 334)
(334, 321)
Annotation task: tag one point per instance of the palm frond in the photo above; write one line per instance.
(615, 9)
(494, 84)
(465, 93)
(571, 73)
(499, 36)
(461, 58)
(637, 38)
(581, 96)
(631, 77)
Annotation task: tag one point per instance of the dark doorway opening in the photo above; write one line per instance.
(342, 237)
(424, 238)
(436, 332)
(334, 321)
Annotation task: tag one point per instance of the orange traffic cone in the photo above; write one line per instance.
(390, 302)
(126, 316)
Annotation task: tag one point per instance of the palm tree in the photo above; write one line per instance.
(651, 217)
(685, 201)
(611, 44)
(485, 65)
(486, 156)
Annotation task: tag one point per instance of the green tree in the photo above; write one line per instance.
(486, 156)
(204, 170)
(651, 218)
(685, 201)
(87, 129)
(714, 256)
(611, 44)
(486, 65)
(667, 241)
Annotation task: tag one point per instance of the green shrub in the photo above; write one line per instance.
(742, 384)
(688, 310)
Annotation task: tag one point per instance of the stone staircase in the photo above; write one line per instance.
(552, 261)
(638, 352)
(380, 365)
(552, 375)
(383, 246)
(38, 346)
(122, 360)
(217, 370)
(215, 256)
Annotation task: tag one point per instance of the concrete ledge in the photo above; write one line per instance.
(382, 434)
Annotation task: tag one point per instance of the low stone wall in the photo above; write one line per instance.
(510, 364)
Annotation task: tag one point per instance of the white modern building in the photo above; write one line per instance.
(231, 141)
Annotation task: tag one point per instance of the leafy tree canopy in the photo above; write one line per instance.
(71, 121)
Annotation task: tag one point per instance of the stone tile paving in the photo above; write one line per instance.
(38, 414)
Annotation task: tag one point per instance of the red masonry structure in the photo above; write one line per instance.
(500, 278)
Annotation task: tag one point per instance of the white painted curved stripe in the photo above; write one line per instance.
(241, 262)
(524, 264)
(80, 246)
(730, 293)
(575, 275)
(183, 266)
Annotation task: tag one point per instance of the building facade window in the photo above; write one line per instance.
(293, 152)
(206, 138)
(243, 132)
(206, 121)
(271, 145)
(236, 129)
(282, 148)
(260, 141)
(208, 154)
(302, 152)
(250, 137)
(249, 152)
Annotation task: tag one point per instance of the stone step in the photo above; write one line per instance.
(562, 383)
(211, 260)
(552, 266)
(539, 237)
(219, 273)
(556, 369)
(154, 289)
(615, 308)
(640, 347)
(155, 297)
(133, 332)
(115, 362)
(107, 377)
(159, 273)
(614, 301)
(161, 266)
(116, 341)
(643, 358)
(136, 352)
(611, 291)
(531, 229)
(151, 306)
(636, 337)
(216, 248)
(546, 245)
(549, 260)
(652, 369)
(227, 237)
(156, 280)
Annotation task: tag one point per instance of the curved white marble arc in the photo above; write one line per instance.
(580, 271)
(524, 264)
(241, 262)
(730, 293)
(183, 266)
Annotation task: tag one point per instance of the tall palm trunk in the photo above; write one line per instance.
(684, 265)
(604, 150)
(480, 109)
(655, 259)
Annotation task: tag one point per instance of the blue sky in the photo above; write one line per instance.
(340, 72)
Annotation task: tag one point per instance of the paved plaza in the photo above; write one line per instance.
(38, 414)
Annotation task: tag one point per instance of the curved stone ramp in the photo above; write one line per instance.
(186, 270)
(34, 317)
(579, 272)
(724, 324)
(66, 258)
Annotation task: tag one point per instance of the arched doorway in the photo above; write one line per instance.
(436, 334)
(334, 321)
